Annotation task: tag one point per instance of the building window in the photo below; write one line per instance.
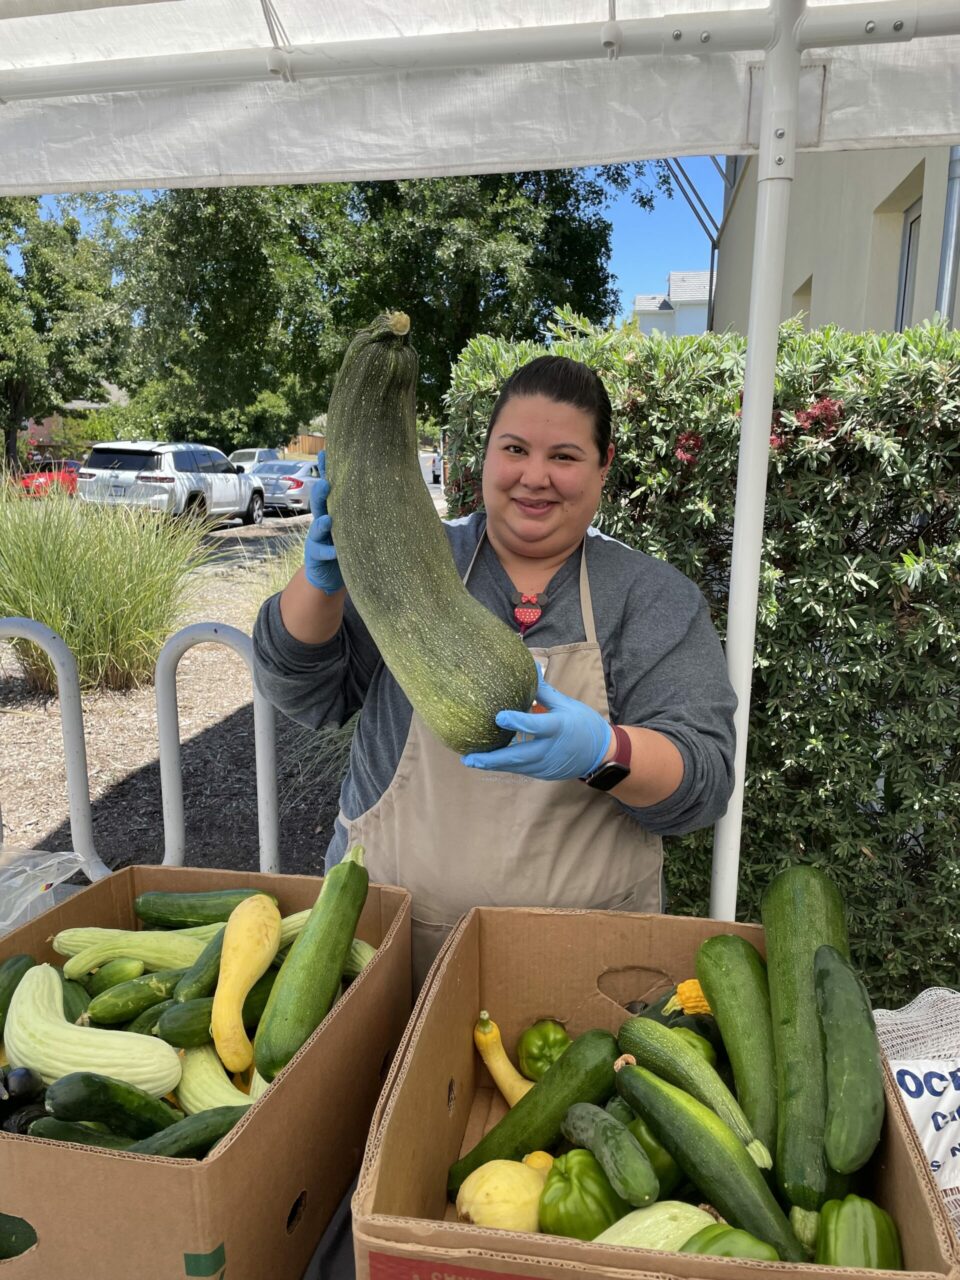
(909, 251)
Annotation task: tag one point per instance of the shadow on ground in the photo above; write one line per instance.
(219, 797)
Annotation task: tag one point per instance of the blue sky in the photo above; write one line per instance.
(646, 246)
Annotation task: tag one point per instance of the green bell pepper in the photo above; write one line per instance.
(540, 1046)
(668, 1172)
(577, 1199)
(698, 1042)
(728, 1242)
(855, 1232)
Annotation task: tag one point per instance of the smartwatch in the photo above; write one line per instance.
(612, 772)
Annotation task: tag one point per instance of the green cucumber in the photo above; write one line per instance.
(801, 909)
(582, 1073)
(661, 1050)
(16, 1236)
(309, 978)
(192, 1136)
(712, 1157)
(145, 1024)
(734, 979)
(201, 978)
(11, 971)
(70, 1131)
(76, 999)
(161, 910)
(619, 1154)
(129, 999)
(456, 662)
(854, 1073)
(111, 974)
(122, 1107)
(186, 1024)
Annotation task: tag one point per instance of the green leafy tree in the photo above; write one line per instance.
(60, 324)
(243, 299)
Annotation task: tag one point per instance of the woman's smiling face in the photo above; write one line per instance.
(542, 477)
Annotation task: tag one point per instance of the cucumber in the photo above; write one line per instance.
(582, 1073)
(76, 999)
(11, 971)
(181, 910)
(620, 1110)
(309, 978)
(661, 1050)
(618, 1152)
(69, 1131)
(734, 979)
(801, 909)
(122, 1107)
(113, 973)
(16, 1236)
(186, 1023)
(192, 1136)
(712, 1157)
(201, 978)
(854, 1074)
(129, 999)
(145, 1024)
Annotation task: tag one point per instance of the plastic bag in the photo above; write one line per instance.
(30, 880)
(922, 1043)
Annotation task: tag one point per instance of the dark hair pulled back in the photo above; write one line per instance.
(564, 381)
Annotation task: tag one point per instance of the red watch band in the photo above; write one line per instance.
(624, 747)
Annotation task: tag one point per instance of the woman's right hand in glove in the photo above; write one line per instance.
(319, 553)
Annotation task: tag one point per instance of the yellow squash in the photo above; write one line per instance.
(251, 939)
(486, 1036)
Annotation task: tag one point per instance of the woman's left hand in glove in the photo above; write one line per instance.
(566, 740)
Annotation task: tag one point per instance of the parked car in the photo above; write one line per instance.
(248, 458)
(170, 478)
(50, 475)
(287, 485)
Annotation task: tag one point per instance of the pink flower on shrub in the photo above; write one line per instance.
(688, 447)
(822, 418)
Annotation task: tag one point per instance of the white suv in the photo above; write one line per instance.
(171, 478)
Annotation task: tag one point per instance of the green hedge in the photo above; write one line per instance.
(854, 750)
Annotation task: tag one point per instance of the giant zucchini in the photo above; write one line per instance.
(457, 663)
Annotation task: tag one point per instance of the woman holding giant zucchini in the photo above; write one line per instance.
(455, 789)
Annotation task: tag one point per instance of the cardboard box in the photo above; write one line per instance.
(257, 1206)
(581, 967)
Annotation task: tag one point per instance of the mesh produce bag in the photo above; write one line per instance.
(922, 1042)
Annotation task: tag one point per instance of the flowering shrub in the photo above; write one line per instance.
(853, 758)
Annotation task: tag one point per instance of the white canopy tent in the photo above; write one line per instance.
(223, 92)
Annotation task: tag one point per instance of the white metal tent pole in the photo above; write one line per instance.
(775, 169)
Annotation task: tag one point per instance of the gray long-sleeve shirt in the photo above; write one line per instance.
(662, 661)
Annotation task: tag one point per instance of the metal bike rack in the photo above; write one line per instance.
(168, 725)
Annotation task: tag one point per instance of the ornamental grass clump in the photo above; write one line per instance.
(853, 758)
(112, 582)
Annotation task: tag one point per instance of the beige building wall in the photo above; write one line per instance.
(845, 238)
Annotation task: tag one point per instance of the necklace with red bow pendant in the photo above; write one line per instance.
(528, 608)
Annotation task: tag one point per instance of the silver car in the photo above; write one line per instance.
(287, 485)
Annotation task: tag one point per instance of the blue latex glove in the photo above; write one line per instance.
(319, 553)
(568, 740)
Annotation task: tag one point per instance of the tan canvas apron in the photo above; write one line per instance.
(459, 838)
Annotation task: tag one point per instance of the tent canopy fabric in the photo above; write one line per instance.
(224, 92)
